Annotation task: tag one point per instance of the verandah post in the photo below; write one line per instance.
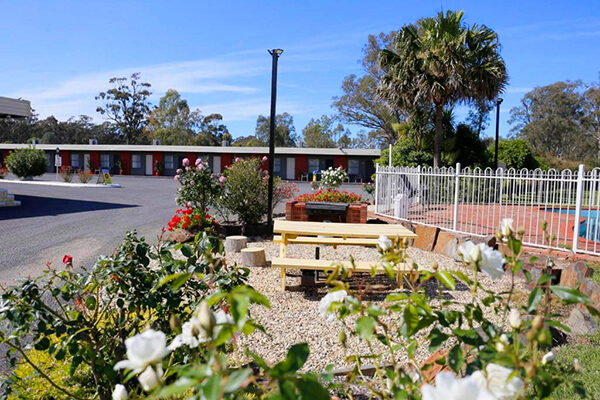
(456, 192)
(578, 199)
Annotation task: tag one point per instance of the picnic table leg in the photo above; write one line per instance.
(283, 279)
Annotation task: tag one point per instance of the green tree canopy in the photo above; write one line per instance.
(172, 122)
(516, 153)
(285, 133)
(323, 132)
(438, 62)
(554, 119)
(126, 105)
(360, 105)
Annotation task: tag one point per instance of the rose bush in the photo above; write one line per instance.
(199, 186)
(193, 220)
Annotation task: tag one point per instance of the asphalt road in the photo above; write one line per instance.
(83, 222)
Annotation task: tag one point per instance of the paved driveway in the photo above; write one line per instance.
(83, 222)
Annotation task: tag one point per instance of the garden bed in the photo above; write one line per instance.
(354, 213)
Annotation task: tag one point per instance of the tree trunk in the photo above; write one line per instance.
(437, 140)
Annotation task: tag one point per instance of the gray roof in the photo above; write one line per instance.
(14, 108)
(201, 149)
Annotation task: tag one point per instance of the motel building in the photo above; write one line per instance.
(291, 163)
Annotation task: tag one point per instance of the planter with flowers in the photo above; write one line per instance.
(328, 203)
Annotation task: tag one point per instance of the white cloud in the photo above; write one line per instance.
(518, 90)
(238, 110)
(76, 95)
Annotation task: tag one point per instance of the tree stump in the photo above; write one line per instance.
(233, 244)
(254, 257)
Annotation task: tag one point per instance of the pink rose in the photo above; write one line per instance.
(221, 179)
(198, 161)
(237, 159)
(185, 162)
(201, 167)
(189, 204)
(176, 177)
(179, 171)
(187, 168)
(264, 159)
(192, 183)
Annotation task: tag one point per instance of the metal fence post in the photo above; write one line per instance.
(456, 192)
(578, 199)
(376, 187)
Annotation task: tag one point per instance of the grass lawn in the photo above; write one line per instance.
(585, 384)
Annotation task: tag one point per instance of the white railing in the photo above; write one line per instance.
(474, 202)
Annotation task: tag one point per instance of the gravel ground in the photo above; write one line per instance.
(294, 317)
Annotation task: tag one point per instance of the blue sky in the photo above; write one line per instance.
(60, 54)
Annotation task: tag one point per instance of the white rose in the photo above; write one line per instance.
(548, 357)
(327, 300)
(492, 261)
(502, 343)
(206, 318)
(149, 347)
(120, 393)
(148, 379)
(506, 227)
(384, 243)
(489, 260)
(496, 380)
(449, 387)
(193, 333)
(514, 318)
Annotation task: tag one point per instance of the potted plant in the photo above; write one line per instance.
(159, 168)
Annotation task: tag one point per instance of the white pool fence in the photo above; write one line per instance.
(474, 202)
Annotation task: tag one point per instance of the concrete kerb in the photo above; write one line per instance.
(62, 184)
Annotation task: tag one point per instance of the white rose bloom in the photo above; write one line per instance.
(548, 357)
(325, 303)
(149, 379)
(120, 393)
(193, 333)
(514, 318)
(489, 260)
(449, 387)
(503, 343)
(147, 348)
(506, 227)
(384, 243)
(496, 381)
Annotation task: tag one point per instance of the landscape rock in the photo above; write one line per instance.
(426, 237)
(592, 290)
(581, 322)
(447, 244)
(489, 240)
(179, 236)
(574, 275)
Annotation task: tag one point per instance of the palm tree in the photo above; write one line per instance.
(439, 62)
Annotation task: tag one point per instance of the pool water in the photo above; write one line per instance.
(591, 219)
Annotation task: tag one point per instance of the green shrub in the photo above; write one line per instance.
(26, 162)
(517, 154)
(27, 383)
(405, 153)
(245, 190)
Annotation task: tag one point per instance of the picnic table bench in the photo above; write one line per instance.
(334, 234)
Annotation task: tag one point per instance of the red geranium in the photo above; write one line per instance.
(331, 196)
(67, 259)
(192, 219)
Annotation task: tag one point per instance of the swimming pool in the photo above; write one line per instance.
(590, 224)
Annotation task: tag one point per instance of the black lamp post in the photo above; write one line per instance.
(275, 53)
(498, 102)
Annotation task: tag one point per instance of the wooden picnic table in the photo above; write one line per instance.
(331, 234)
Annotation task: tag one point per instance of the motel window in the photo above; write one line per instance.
(75, 160)
(169, 162)
(277, 164)
(104, 161)
(353, 168)
(313, 164)
(136, 161)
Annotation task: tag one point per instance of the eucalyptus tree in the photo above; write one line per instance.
(439, 62)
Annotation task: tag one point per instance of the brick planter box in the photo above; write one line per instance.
(355, 214)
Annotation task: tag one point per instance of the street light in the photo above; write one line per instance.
(275, 53)
(498, 102)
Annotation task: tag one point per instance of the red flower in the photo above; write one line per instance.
(67, 259)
